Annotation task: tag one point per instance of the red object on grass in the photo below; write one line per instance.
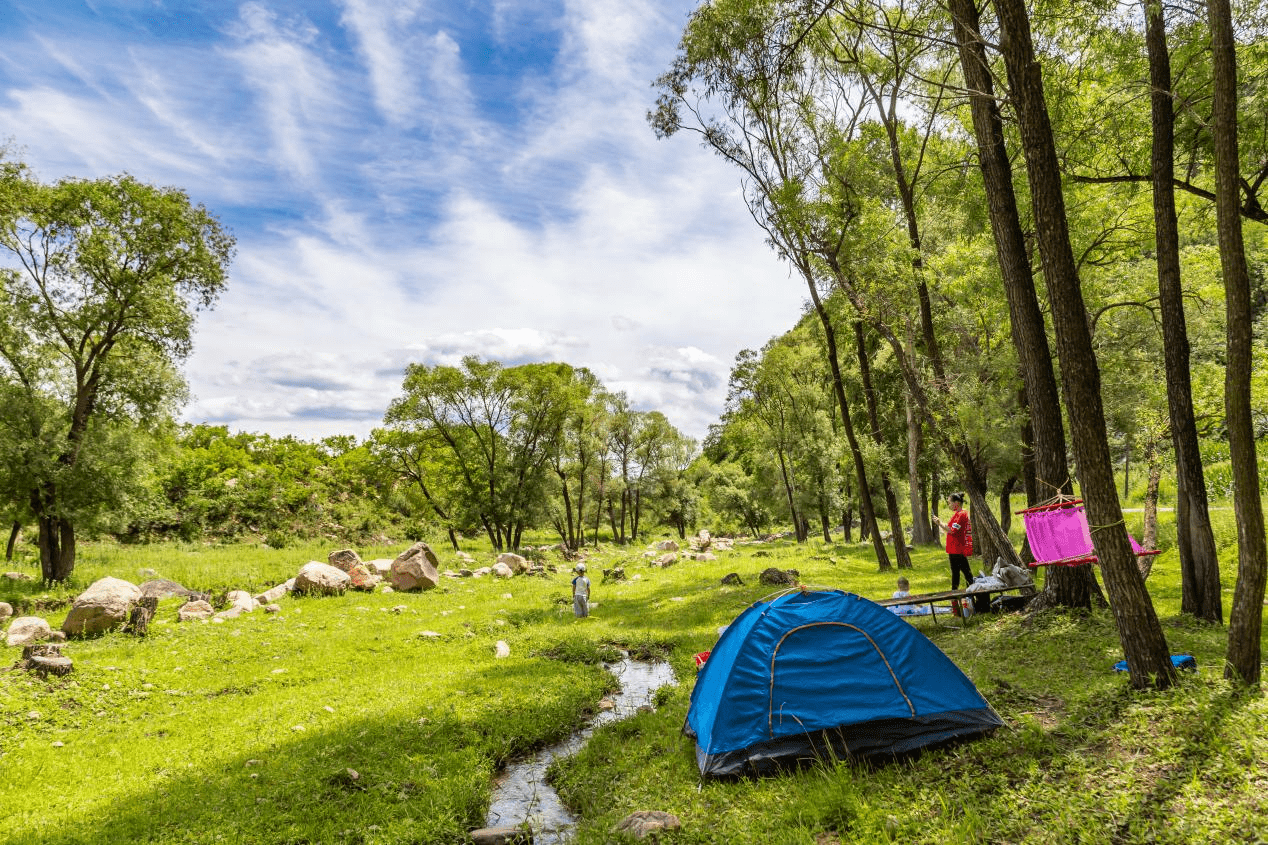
(701, 658)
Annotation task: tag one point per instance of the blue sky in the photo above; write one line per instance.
(410, 181)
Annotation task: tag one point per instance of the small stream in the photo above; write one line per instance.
(521, 792)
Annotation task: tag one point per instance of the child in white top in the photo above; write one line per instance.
(580, 592)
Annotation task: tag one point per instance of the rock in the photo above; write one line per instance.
(380, 565)
(644, 823)
(704, 556)
(502, 650)
(400, 608)
(272, 608)
(6, 610)
(464, 557)
(104, 605)
(501, 836)
(517, 563)
(162, 588)
(481, 572)
(502, 570)
(416, 568)
(722, 544)
(773, 577)
(274, 593)
(733, 580)
(321, 579)
(242, 600)
(16, 576)
(344, 559)
(348, 561)
(57, 637)
(430, 635)
(197, 609)
(26, 630)
(616, 573)
(666, 560)
(667, 546)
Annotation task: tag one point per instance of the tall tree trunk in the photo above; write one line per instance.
(57, 548)
(922, 533)
(866, 509)
(1199, 560)
(1144, 645)
(14, 533)
(1149, 539)
(1246, 620)
(891, 501)
(1065, 586)
(791, 495)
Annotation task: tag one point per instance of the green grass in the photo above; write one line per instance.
(245, 731)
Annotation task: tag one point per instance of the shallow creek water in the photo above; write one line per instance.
(521, 792)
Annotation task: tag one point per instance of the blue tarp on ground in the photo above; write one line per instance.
(817, 674)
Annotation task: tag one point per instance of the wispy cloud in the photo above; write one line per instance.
(459, 180)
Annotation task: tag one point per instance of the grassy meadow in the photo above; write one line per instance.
(251, 731)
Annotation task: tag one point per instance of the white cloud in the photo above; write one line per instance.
(380, 31)
(406, 221)
(296, 90)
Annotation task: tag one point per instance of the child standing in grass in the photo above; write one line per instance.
(580, 592)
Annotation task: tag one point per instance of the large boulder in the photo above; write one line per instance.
(103, 606)
(347, 560)
(501, 570)
(416, 568)
(6, 610)
(321, 579)
(26, 630)
(517, 563)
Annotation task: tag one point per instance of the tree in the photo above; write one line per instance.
(98, 297)
(1139, 631)
(1246, 620)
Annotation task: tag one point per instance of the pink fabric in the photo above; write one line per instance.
(1059, 534)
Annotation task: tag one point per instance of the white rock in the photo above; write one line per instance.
(194, 610)
(26, 630)
(322, 579)
(501, 570)
(502, 650)
(104, 605)
(517, 563)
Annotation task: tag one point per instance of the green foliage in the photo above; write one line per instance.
(99, 284)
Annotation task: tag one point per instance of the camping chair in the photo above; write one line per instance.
(1059, 535)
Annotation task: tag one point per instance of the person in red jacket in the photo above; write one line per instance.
(959, 540)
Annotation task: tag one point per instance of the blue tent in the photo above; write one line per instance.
(817, 674)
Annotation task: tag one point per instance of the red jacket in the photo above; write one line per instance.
(959, 534)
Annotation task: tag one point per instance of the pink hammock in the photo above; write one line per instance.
(1059, 535)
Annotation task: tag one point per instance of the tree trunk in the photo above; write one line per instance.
(57, 548)
(1144, 645)
(866, 510)
(1199, 560)
(1150, 538)
(901, 554)
(1070, 587)
(1246, 620)
(14, 533)
(922, 533)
